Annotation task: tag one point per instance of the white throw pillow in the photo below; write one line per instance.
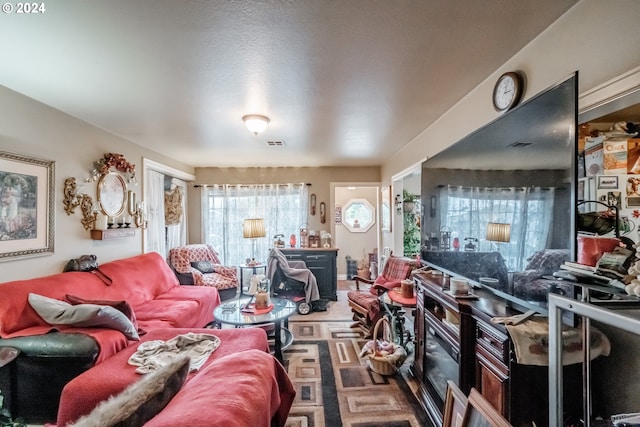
(56, 312)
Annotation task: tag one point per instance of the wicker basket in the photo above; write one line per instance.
(380, 364)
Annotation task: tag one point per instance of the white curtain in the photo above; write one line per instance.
(283, 207)
(154, 194)
(177, 233)
(466, 211)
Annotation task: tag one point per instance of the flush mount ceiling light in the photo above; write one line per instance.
(256, 123)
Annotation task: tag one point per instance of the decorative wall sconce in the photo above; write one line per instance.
(137, 211)
(73, 199)
(397, 201)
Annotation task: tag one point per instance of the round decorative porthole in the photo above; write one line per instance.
(358, 215)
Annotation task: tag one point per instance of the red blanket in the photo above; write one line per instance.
(246, 389)
(84, 392)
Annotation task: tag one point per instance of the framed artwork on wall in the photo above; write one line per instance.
(385, 212)
(608, 182)
(26, 206)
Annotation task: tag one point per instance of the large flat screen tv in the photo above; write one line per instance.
(499, 205)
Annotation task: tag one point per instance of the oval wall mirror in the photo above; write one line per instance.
(112, 194)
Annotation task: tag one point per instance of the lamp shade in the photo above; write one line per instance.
(253, 228)
(256, 123)
(498, 232)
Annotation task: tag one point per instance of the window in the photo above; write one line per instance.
(283, 207)
(358, 215)
(467, 211)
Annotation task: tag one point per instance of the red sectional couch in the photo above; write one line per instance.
(52, 355)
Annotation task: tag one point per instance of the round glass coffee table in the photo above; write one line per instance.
(231, 313)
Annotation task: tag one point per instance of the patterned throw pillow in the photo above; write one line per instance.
(203, 266)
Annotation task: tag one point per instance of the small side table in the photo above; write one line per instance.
(254, 268)
(230, 313)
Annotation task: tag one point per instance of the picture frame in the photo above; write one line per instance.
(454, 406)
(385, 211)
(608, 182)
(26, 206)
(480, 413)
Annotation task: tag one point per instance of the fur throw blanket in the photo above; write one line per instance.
(142, 400)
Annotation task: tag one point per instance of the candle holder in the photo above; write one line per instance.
(138, 211)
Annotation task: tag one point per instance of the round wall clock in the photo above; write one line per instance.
(508, 91)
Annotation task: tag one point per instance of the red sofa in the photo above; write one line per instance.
(51, 356)
(240, 384)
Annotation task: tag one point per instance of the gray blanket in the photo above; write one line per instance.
(304, 275)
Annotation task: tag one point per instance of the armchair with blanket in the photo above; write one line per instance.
(365, 304)
(198, 264)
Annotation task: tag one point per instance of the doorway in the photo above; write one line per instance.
(407, 212)
(356, 224)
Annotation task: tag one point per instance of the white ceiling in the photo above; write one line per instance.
(345, 82)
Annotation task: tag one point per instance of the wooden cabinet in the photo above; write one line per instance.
(456, 340)
(322, 263)
(444, 335)
(492, 365)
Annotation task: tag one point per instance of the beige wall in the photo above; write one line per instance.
(32, 129)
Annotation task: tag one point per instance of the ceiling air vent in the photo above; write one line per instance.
(275, 143)
(520, 144)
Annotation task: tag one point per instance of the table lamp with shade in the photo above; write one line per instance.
(253, 228)
(501, 233)
(498, 233)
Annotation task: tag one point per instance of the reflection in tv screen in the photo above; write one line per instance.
(499, 205)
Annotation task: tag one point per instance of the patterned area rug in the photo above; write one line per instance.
(336, 388)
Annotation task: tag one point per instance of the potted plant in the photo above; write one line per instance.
(408, 201)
